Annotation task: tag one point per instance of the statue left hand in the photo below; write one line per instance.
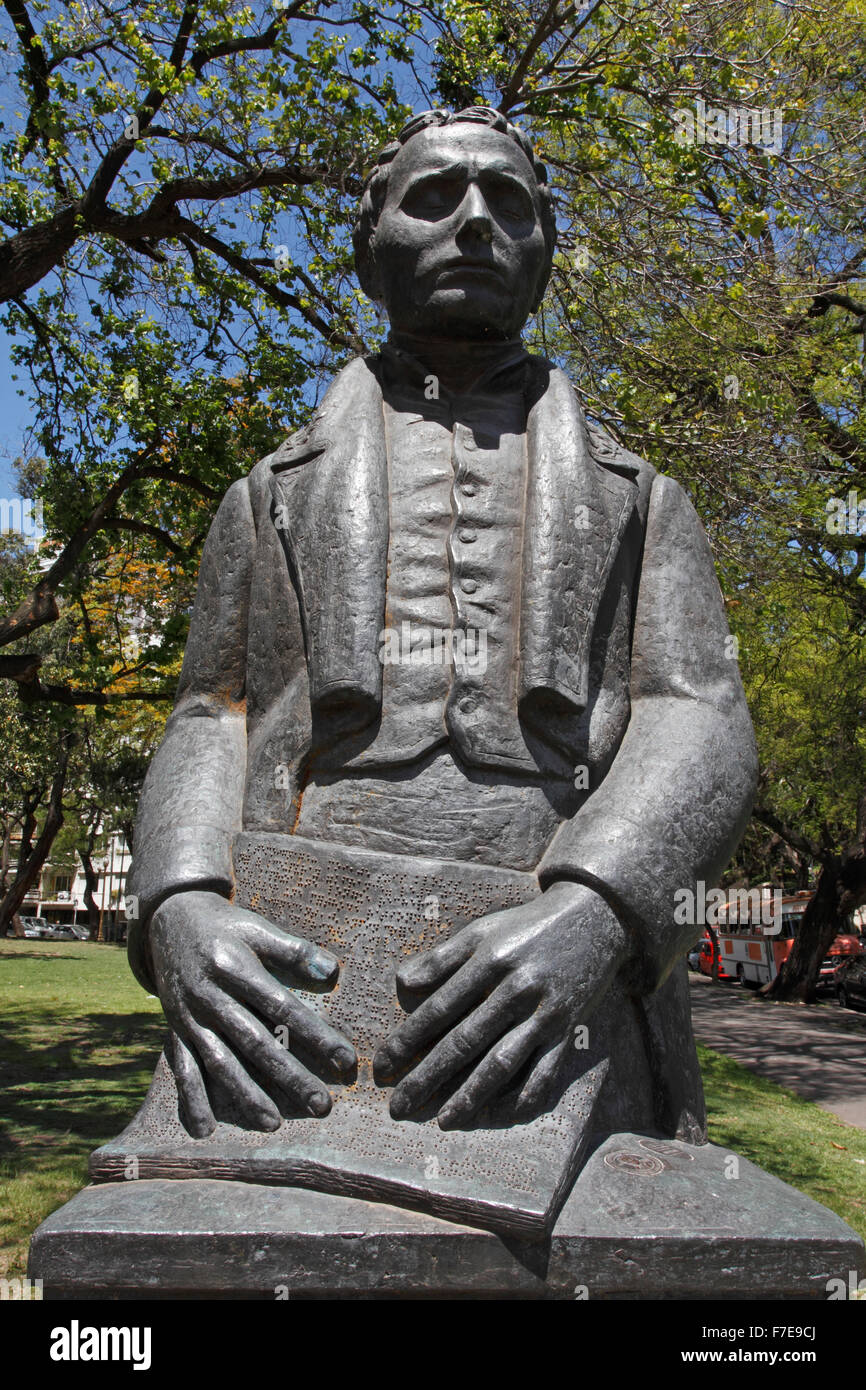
(511, 985)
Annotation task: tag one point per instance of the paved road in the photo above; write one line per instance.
(816, 1050)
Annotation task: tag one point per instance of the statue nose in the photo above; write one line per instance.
(475, 215)
(481, 226)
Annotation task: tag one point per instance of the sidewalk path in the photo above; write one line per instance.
(817, 1050)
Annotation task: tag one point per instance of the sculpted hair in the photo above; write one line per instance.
(376, 189)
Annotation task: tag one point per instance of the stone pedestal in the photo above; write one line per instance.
(646, 1219)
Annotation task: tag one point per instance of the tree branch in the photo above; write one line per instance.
(144, 528)
(799, 842)
(827, 299)
(20, 668)
(279, 296)
(171, 475)
(31, 49)
(31, 692)
(100, 185)
(40, 605)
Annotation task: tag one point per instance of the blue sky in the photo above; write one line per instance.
(14, 416)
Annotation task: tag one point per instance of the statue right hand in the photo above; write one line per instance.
(210, 962)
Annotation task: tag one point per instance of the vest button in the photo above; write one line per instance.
(468, 489)
(468, 586)
(466, 705)
(467, 535)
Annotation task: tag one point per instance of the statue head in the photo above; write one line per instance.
(456, 229)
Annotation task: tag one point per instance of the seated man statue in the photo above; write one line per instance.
(448, 623)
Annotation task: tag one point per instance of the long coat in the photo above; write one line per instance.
(625, 667)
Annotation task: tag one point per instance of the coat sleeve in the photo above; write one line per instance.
(192, 800)
(679, 792)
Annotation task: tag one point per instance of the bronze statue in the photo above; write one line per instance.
(458, 715)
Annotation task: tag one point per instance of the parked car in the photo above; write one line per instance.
(64, 931)
(33, 928)
(850, 982)
(70, 931)
(844, 946)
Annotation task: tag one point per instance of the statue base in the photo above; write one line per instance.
(646, 1219)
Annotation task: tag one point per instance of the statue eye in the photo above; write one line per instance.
(508, 198)
(436, 195)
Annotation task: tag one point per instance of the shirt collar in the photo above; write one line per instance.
(506, 374)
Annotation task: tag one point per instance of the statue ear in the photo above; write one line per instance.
(541, 286)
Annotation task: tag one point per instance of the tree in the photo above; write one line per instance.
(804, 678)
(174, 216)
(41, 798)
(70, 772)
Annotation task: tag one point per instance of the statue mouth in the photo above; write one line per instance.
(475, 269)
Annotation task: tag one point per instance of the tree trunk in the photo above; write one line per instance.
(820, 923)
(30, 864)
(31, 801)
(28, 256)
(4, 859)
(91, 883)
(28, 822)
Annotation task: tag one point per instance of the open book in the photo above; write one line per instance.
(372, 910)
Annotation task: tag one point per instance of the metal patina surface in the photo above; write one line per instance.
(371, 910)
(458, 720)
(670, 1231)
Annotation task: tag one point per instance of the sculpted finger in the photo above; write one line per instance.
(195, 1106)
(257, 1109)
(464, 1042)
(428, 1021)
(277, 1003)
(537, 1084)
(307, 964)
(284, 1071)
(428, 969)
(491, 1074)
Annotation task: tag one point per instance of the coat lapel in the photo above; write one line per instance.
(331, 507)
(330, 489)
(577, 511)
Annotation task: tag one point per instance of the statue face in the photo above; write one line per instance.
(459, 247)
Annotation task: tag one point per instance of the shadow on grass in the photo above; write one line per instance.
(80, 1089)
(14, 957)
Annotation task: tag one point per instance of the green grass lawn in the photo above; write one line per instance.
(79, 1041)
(787, 1136)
